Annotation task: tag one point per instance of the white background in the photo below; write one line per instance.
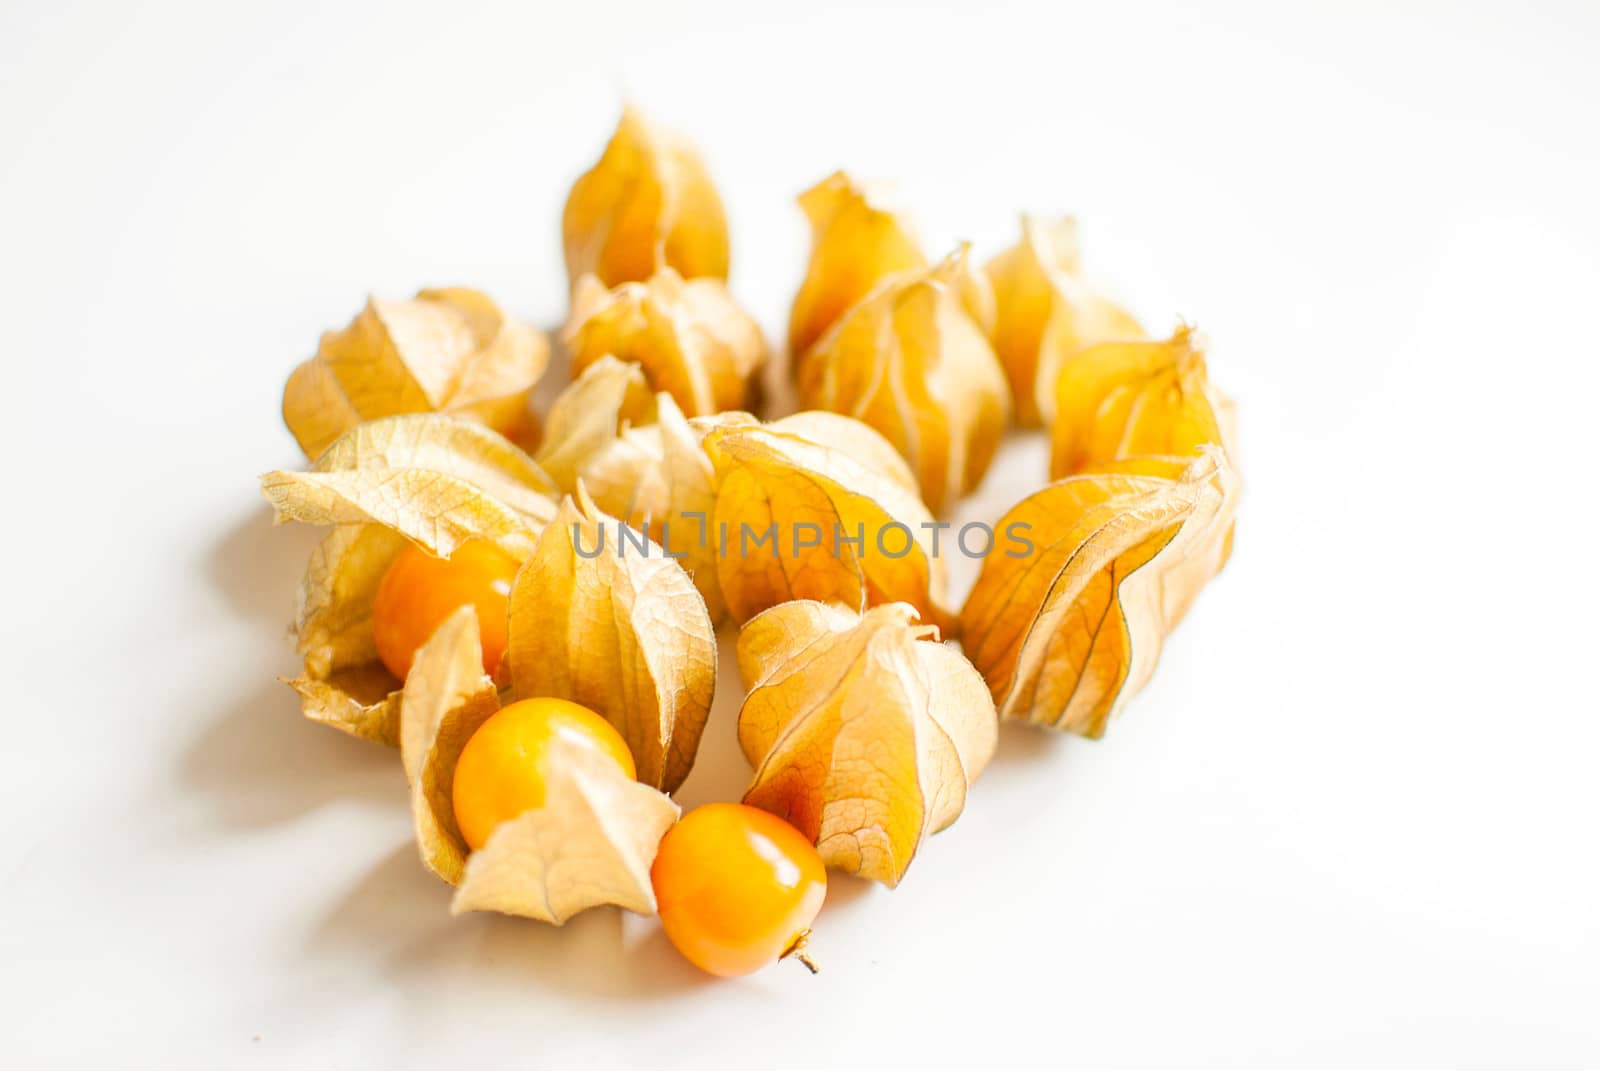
(1352, 821)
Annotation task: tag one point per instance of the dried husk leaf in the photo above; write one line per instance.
(647, 203)
(1208, 536)
(1129, 399)
(853, 438)
(690, 338)
(621, 631)
(438, 511)
(659, 480)
(444, 444)
(857, 241)
(448, 350)
(775, 475)
(363, 701)
(1066, 634)
(591, 843)
(344, 684)
(911, 362)
(590, 414)
(864, 730)
(333, 628)
(438, 480)
(428, 478)
(445, 699)
(1045, 313)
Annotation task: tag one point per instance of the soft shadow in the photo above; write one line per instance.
(1026, 743)
(557, 374)
(778, 397)
(257, 565)
(605, 952)
(261, 763)
(386, 905)
(845, 891)
(258, 760)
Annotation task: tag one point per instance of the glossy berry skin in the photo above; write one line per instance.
(736, 887)
(420, 591)
(501, 772)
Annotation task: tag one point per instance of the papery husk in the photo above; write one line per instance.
(658, 479)
(1066, 633)
(430, 479)
(1132, 399)
(647, 203)
(776, 474)
(438, 480)
(690, 338)
(854, 439)
(622, 632)
(1046, 312)
(1210, 542)
(446, 698)
(590, 844)
(857, 241)
(911, 362)
(449, 350)
(864, 730)
(344, 684)
(362, 701)
(592, 412)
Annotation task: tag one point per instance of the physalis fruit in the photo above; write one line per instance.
(737, 888)
(420, 591)
(503, 769)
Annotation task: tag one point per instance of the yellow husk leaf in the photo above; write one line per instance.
(363, 701)
(445, 699)
(344, 685)
(658, 479)
(775, 474)
(450, 350)
(333, 629)
(430, 478)
(911, 362)
(591, 413)
(857, 241)
(1045, 313)
(1066, 634)
(864, 730)
(591, 843)
(1210, 531)
(1129, 399)
(623, 632)
(437, 480)
(852, 438)
(690, 338)
(647, 203)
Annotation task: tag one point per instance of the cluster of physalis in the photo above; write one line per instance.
(547, 694)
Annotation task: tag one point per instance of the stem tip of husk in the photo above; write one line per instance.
(797, 949)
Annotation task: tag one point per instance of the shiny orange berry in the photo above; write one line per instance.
(737, 888)
(420, 591)
(502, 770)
